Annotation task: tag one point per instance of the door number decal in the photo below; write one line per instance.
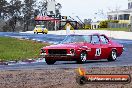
(98, 52)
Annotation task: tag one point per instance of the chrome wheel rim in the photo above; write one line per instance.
(114, 55)
(83, 57)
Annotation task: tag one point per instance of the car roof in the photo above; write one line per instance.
(39, 25)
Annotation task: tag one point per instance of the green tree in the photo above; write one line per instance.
(42, 6)
(28, 11)
(3, 8)
(57, 10)
(15, 8)
(14, 12)
(104, 24)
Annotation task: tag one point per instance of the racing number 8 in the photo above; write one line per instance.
(98, 52)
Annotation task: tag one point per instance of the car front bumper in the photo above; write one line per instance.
(68, 57)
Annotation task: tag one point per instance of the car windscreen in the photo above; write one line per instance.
(76, 38)
(40, 26)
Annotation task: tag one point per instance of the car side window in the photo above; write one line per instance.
(87, 38)
(95, 39)
(104, 40)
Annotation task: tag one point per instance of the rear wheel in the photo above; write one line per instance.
(113, 56)
(83, 58)
(50, 62)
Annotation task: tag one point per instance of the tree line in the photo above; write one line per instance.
(22, 11)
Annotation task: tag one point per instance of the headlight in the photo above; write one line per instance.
(123, 49)
(72, 51)
(43, 51)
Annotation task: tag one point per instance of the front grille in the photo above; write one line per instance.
(57, 52)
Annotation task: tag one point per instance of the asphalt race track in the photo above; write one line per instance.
(124, 60)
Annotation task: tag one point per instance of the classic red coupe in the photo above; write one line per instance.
(81, 48)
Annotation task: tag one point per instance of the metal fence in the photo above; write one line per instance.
(117, 25)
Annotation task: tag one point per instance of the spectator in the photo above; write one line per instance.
(68, 27)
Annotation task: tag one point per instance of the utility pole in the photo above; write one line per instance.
(55, 22)
(130, 25)
(72, 18)
(81, 21)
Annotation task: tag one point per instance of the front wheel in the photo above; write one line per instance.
(113, 56)
(50, 62)
(83, 58)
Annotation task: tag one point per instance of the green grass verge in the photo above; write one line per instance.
(16, 49)
(114, 29)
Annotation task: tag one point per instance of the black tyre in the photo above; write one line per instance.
(83, 58)
(113, 56)
(34, 32)
(37, 32)
(50, 62)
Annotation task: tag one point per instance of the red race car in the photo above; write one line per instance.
(81, 48)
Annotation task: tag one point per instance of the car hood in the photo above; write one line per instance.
(64, 46)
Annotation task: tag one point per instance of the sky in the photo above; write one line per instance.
(86, 9)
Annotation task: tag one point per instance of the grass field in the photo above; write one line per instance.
(16, 49)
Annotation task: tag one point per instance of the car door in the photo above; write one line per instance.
(95, 47)
(105, 47)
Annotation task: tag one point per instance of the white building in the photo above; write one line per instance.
(94, 25)
(51, 6)
(123, 16)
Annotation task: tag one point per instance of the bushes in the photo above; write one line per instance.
(104, 24)
(87, 26)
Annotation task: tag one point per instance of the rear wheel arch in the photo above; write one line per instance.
(84, 51)
(114, 49)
